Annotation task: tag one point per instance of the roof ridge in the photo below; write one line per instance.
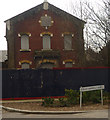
(39, 7)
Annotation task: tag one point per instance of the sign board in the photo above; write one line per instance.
(91, 88)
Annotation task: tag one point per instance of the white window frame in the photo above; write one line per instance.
(45, 46)
(24, 42)
(65, 42)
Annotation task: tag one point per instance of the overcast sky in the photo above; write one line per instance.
(10, 8)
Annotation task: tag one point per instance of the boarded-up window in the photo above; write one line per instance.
(46, 21)
(68, 64)
(25, 66)
(67, 42)
(46, 42)
(25, 42)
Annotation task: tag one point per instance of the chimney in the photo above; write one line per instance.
(45, 0)
(45, 5)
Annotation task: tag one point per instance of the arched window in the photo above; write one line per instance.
(25, 42)
(68, 63)
(25, 65)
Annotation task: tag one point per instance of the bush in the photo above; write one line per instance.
(47, 101)
(106, 95)
(72, 96)
(91, 96)
(63, 102)
(95, 96)
(86, 97)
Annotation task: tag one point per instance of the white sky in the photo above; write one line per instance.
(10, 8)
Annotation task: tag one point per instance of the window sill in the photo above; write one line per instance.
(68, 50)
(47, 49)
(23, 50)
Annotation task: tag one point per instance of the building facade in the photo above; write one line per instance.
(45, 37)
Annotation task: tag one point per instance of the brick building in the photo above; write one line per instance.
(45, 37)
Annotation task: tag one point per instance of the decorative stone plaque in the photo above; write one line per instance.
(46, 21)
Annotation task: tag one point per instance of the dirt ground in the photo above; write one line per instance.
(36, 106)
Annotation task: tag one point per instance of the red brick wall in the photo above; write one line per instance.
(33, 26)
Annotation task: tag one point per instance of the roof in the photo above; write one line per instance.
(52, 8)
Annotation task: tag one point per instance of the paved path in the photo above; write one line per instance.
(89, 114)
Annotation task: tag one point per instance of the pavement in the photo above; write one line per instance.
(11, 112)
(34, 112)
(99, 114)
(40, 112)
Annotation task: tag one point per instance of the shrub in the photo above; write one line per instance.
(89, 96)
(95, 96)
(92, 96)
(86, 97)
(106, 95)
(47, 101)
(72, 96)
(63, 102)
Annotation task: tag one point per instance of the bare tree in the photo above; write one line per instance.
(97, 28)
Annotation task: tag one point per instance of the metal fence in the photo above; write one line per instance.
(46, 82)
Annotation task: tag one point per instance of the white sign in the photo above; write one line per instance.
(90, 88)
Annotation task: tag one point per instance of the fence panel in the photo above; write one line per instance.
(46, 82)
